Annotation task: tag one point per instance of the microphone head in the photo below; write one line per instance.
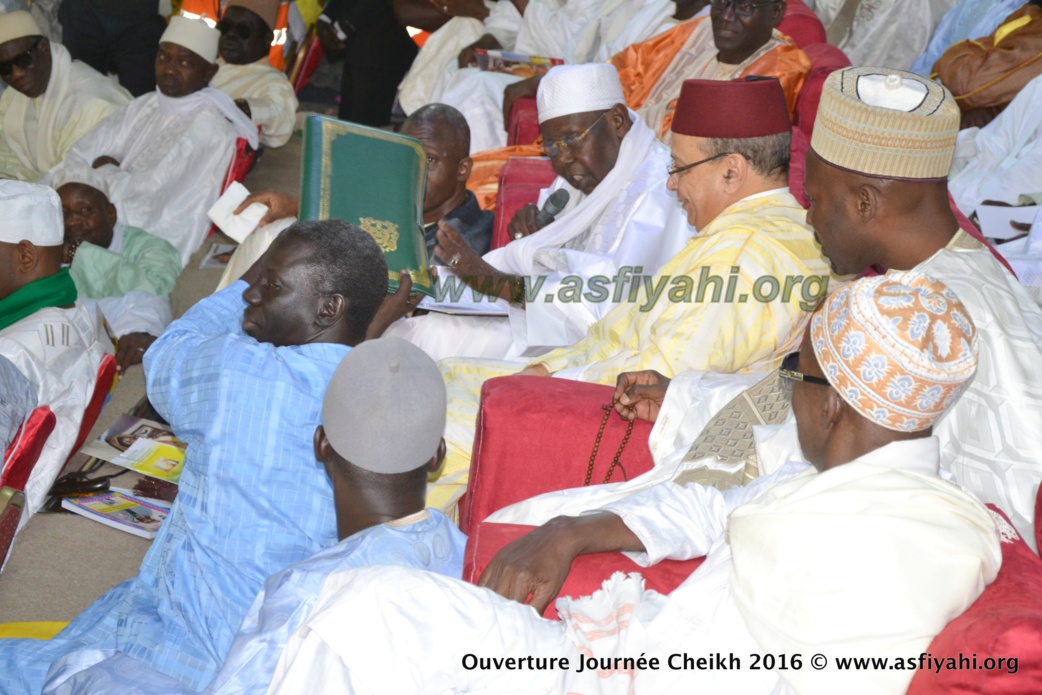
(556, 202)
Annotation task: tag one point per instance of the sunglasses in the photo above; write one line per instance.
(240, 29)
(790, 371)
(23, 60)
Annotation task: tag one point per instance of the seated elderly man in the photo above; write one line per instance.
(868, 554)
(985, 73)
(52, 102)
(126, 272)
(730, 171)
(445, 136)
(890, 208)
(736, 40)
(619, 218)
(240, 378)
(165, 155)
(54, 341)
(262, 92)
(379, 476)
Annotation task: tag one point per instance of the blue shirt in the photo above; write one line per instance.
(432, 543)
(252, 499)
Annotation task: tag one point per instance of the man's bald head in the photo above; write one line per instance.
(446, 140)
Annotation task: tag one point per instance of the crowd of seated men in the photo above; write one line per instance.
(331, 424)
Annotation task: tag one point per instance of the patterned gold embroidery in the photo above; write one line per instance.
(385, 233)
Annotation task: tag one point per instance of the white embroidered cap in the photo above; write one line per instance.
(568, 89)
(30, 212)
(195, 35)
(79, 174)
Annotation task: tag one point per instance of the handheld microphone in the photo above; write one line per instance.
(553, 206)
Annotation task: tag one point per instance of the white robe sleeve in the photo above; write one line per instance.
(134, 312)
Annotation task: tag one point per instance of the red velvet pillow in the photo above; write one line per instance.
(1005, 622)
(535, 435)
(588, 571)
(519, 184)
(24, 451)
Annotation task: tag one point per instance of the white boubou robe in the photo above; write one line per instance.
(273, 103)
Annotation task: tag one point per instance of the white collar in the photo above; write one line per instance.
(116, 246)
(914, 455)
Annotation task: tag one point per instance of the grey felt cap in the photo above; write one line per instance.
(384, 409)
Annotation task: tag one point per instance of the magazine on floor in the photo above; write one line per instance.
(120, 511)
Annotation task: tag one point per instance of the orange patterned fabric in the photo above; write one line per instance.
(641, 65)
(898, 348)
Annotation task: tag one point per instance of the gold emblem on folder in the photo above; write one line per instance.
(385, 233)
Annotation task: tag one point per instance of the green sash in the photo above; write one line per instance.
(54, 290)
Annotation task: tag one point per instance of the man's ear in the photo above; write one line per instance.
(466, 165)
(331, 310)
(832, 410)
(736, 173)
(867, 198)
(439, 457)
(211, 71)
(620, 120)
(26, 256)
(323, 449)
(111, 213)
(777, 14)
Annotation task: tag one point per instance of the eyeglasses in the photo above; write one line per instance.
(672, 171)
(240, 29)
(23, 60)
(572, 142)
(741, 7)
(789, 371)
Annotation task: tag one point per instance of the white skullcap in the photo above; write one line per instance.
(79, 174)
(30, 212)
(193, 34)
(568, 89)
(384, 408)
(17, 25)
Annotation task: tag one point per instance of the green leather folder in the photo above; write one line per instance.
(374, 179)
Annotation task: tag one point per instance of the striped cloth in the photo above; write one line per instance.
(252, 499)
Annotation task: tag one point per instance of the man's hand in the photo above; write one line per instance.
(535, 564)
(513, 92)
(535, 370)
(468, 58)
(102, 161)
(639, 395)
(132, 348)
(332, 46)
(280, 205)
(244, 106)
(524, 222)
(393, 307)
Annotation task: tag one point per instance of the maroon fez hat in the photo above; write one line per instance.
(744, 108)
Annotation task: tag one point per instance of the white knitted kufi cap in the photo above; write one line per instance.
(79, 174)
(384, 408)
(30, 212)
(568, 89)
(195, 35)
(17, 25)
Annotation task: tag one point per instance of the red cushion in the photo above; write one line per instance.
(102, 388)
(519, 184)
(1006, 621)
(1038, 520)
(524, 122)
(536, 434)
(801, 24)
(588, 571)
(24, 451)
(825, 59)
